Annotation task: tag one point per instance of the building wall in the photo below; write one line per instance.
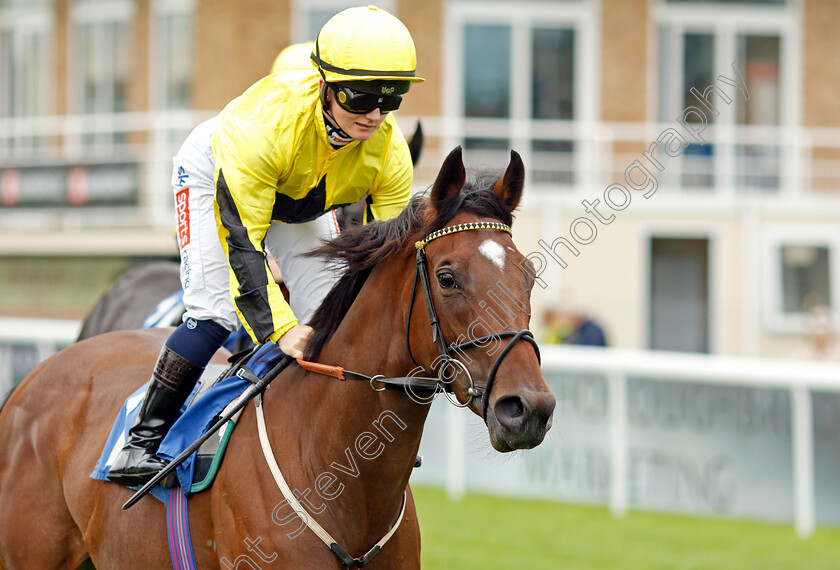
(425, 22)
(820, 67)
(59, 61)
(624, 41)
(138, 97)
(235, 43)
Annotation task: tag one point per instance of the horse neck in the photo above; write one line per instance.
(367, 439)
(371, 340)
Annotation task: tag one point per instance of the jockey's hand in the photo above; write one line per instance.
(294, 341)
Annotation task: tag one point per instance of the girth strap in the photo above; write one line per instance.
(310, 522)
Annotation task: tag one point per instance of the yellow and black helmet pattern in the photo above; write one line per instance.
(365, 43)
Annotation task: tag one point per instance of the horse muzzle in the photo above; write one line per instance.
(520, 420)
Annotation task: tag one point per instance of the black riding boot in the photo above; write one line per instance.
(172, 381)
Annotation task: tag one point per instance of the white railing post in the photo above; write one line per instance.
(5, 370)
(802, 441)
(618, 442)
(455, 472)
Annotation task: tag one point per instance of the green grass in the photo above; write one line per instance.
(489, 532)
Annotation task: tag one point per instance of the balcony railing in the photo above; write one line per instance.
(564, 159)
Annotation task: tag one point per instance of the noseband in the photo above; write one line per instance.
(446, 350)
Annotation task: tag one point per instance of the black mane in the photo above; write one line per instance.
(362, 247)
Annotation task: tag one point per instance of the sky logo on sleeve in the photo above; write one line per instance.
(182, 176)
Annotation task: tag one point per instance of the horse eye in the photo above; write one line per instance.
(447, 281)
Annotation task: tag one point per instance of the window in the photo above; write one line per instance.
(487, 71)
(697, 45)
(172, 46)
(311, 15)
(805, 277)
(759, 59)
(802, 273)
(29, 4)
(25, 47)
(521, 82)
(679, 294)
(698, 73)
(731, 2)
(101, 65)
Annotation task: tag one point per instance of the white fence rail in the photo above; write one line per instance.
(26, 342)
(800, 379)
(695, 434)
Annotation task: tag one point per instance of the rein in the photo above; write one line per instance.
(393, 383)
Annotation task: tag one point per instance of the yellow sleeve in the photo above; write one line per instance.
(247, 170)
(393, 189)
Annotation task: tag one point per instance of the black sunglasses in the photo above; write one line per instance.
(361, 103)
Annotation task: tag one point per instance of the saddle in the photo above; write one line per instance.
(209, 456)
(214, 392)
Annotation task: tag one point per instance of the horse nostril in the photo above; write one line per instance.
(510, 410)
(515, 408)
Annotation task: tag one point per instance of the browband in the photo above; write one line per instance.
(463, 227)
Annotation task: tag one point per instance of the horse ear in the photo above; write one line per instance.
(415, 145)
(450, 179)
(509, 186)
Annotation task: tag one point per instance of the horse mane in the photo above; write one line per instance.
(360, 248)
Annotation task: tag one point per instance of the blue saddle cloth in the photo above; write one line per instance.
(197, 415)
(195, 419)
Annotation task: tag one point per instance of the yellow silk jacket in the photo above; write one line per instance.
(275, 163)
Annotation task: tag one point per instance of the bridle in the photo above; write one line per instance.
(412, 384)
(446, 350)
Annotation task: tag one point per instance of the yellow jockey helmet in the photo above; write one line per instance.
(294, 58)
(366, 44)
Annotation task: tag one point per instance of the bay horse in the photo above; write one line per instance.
(131, 298)
(354, 446)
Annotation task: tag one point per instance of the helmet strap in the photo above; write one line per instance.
(325, 105)
(335, 134)
(321, 71)
(337, 137)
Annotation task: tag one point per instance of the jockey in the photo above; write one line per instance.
(265, 175)
(294, 58)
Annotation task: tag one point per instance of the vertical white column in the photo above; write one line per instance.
(803, 461)
(749, 268)
(455, 450)
(46, 349)
(618, 442)
(5, 370)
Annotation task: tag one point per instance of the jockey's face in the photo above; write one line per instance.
(360, 127)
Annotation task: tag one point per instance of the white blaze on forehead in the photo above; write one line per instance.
(494, 252)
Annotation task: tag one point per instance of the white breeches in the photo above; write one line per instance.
(205, 273)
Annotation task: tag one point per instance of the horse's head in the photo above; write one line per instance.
(480, 292)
